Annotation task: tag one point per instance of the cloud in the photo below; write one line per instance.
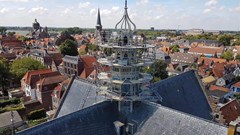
(211, 3)
(21, 9)
(142, 2)
(38, 10)
(237, 9)
(84, 5)
(67, 10)
(4, 10)
(207, 10)
(93, 11)
(106, 12)
(115, 8)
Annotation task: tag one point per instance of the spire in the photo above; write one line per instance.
(99, 24)
(125, 4)
(126, 23)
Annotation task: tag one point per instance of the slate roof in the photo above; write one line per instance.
(155, 119)
(6, 119)
(184, 93)
(79, 95)
(148, 118)
(97, 119)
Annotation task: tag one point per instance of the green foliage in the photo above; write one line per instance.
(3, 30)
(10, 34)
(238, 57)
(4, 103)
(69, 47)
(37, 114)
(5, 131)
(64, 36)
(4, 75)
(175, 48)
(20, 67)
(91, 47)
(23, 38)
(228, 55)
(158, 70)
(32, 123)
(225, 39)
(205, 36)
(74, 30)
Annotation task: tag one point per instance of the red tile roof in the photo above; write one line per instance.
(230, 111)
(236, 85)
(88, 62)
(32, 77)
(206, 50)
(218, 69)
(214, 87)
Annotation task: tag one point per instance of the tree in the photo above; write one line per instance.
(157, 70)
(4, 75)
(238, 57)
(3, 30)
(175, 48)
(69, 47)
(74, 30)
(225, 39)
(228, 55)
(20, 67)
(64, 36)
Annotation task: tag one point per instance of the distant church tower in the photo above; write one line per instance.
(98, 31)
(99, 24)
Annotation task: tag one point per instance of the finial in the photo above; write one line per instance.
(125, 4)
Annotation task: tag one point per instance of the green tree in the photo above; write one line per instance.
(225, 39)
(228, 55)
(23, 38)
(238, 57)
(74, 30)
(64, 36)
(69, 47)
(175, 48)
(4, 75)
(157, 70)
(20, 67)
(3, 30)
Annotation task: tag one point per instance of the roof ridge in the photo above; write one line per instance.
(190, 115)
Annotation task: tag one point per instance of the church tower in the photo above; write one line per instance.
(124, 82)
(99, 24)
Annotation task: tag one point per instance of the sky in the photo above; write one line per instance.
(161, 14)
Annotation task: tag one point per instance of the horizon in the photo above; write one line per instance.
(162, 15)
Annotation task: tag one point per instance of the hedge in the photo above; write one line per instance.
(37, 114)
(4, 103)
(32, 123)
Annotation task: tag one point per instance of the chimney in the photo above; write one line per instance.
(234, 128)
(119, 127)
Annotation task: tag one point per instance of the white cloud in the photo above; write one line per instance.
(4, 10)
(237, 9)
(67, 10)
(142, 2)
(115, 8)
(38, 10)
(21, 9)
(106, 12)
(84, 5)
(211, 3)
(207, 10)
(93, 11)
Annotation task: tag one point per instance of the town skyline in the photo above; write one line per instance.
(183, 14)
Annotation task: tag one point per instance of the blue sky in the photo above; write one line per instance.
(161, 14)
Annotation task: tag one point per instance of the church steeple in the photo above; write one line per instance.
(99, 24)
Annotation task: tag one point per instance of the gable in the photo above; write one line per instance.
(184, 93)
